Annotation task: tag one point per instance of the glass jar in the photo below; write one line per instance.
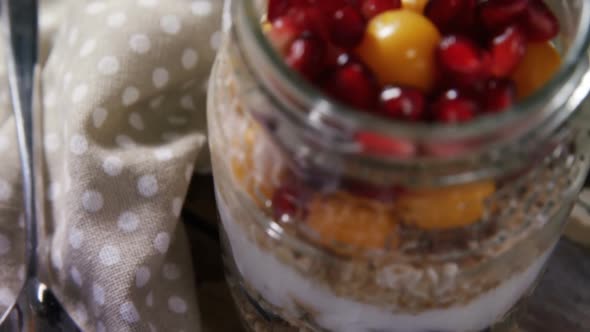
(334, 220)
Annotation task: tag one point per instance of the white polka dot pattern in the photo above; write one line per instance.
(142, 276)
(98, 294)
(92, 201)
(170, 24)
(109, 255)
(161, 242)
(129, 313)
(147, 186)
(177, 305)
(113, 166)
(109, 65)
(130, 96)
(128, 222)
(124, 104)
(140, 43)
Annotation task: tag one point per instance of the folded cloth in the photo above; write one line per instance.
(124, 87)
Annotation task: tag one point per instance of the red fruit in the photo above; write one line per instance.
(372, 8)
(507, 51)
(282, 34)
(348, 27)
(278, 8)
(399, 103)
(497, 14)
(311, 19)
(353, 84)
(328, 6)
(462, 60)
(452, 16)
(305, 55)
(498, 95)
(373, 143)
(540, 23)
(288, 201)
(452, 107)
(443, 12)
(371, 191)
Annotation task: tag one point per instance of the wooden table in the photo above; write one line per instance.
(561, 303)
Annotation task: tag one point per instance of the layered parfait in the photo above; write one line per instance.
(324, 241)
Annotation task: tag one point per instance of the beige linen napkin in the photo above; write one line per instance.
(124, 86)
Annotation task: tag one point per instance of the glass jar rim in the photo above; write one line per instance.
(543, 104)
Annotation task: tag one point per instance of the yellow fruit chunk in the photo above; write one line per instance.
(345, 219)
(266, 27)
(415, 5)
(541, 61)
(400, 46)
(445, 208)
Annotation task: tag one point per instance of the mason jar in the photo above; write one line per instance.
(333, 220)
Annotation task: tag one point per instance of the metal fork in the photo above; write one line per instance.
(36, 308)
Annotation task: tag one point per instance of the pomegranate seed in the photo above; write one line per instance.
(373, 143)
(335, 57)
(462, 60)
(498, 95)
(467, 19)
(311, 19)
(288, 201)
(372, 191)
(452, 16)
(305, 56)
(452, 107)
(328, 6)
(278, 8)
(443, 12)
(497, 14)
(372, 8)
(507, 51)
(540, 23)
(353, 84)
(282, 34)
(348, 27)
(402, 103)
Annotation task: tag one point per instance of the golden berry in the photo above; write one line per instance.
(445, 208)
(400, 46)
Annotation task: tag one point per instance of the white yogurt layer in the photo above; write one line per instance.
(279, 284)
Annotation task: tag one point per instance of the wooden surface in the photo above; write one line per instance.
(561, 302)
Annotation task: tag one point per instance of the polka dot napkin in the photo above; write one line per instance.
(124, 101)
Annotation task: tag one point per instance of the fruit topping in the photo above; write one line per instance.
(415, 5)
(372, 8)
(352, 83)
(392, 58)
(305, 56)
(348, 27)
(461, 60)
(343, 219)
(288, 203)
(540, 23)
(498, 14)
(498, 95)
(375, 144)
(541, 61)
(401, 103)
(454, 107)
(445, 208)
(507, 49)
(400, 46)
